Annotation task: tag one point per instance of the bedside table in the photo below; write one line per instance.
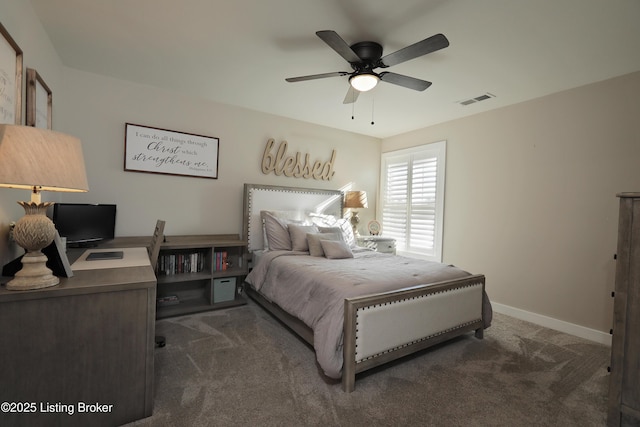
(382, 244)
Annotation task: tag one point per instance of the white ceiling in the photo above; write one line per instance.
(239, 52)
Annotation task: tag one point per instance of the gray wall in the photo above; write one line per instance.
(530, 196)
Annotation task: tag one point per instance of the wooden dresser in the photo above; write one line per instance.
(70, 351)
(624, 382)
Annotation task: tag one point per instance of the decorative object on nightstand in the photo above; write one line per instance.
(355, 200)
(38, 159)
(374, 227)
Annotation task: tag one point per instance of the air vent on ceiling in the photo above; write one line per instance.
(476, 99)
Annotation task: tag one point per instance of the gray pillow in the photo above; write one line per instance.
(298, 234)
(315, 247)
(278, 238)
(336, 249)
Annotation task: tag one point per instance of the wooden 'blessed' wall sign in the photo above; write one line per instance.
(295, 165)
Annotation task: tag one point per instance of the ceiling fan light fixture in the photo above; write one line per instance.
(364, 82)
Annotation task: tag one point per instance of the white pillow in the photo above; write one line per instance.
(322, 220)
(336, 249)
(343, 227)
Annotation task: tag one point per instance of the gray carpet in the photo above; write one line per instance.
(240, 367)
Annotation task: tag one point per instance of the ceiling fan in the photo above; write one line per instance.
(364, 57)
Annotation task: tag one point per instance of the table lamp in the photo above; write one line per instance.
(38, 159)
(355, 200)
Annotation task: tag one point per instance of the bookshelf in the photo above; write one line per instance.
(200, 273)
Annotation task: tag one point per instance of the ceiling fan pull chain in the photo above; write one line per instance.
(373, 102)
(353, 109)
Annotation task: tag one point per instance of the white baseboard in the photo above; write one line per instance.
(555, 324)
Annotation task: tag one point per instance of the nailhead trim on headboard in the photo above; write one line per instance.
(254, 189)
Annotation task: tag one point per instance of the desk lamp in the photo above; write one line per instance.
(355, 200)
(38, 159)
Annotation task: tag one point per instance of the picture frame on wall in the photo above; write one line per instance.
(39, 101)
(10, 79)
(154, 150)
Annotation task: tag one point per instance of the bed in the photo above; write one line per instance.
(358, 308)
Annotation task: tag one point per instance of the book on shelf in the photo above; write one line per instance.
(168, 300)
(181, 263)
(221, 261)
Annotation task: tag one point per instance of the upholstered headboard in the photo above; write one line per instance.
(305, 201)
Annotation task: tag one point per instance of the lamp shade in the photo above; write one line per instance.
(39, 159)
(355, 199)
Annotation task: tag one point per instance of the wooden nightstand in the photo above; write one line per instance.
(382, 244)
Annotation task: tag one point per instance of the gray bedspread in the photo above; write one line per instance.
(313, 289)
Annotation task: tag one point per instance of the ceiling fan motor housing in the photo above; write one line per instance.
(369, 52)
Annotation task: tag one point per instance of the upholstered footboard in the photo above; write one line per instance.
(385, 327)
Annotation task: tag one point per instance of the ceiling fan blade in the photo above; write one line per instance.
(352, 96)
(317, 76)
(428, 45)
(336, 43)
(404, 81)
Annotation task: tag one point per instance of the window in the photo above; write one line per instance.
(412, 199)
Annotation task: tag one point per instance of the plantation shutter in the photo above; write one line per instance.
(412, 199)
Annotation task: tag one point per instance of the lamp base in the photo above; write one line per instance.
(355, 220)
(34, 274)
(34, 232)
